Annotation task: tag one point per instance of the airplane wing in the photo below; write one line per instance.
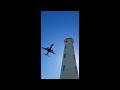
(53, 53)
(44, 48)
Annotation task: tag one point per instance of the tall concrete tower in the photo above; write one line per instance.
(69, 67)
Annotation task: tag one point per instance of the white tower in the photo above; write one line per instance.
(69, 68)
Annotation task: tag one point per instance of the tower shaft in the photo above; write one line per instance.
(69, 67)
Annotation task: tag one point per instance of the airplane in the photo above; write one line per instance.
(49, 50)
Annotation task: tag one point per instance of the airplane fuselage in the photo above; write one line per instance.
(49, 50)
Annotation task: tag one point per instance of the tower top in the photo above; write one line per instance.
(69, 39)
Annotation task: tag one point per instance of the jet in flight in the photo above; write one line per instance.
(49, 50)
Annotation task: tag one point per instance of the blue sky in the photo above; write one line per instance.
(55, 27)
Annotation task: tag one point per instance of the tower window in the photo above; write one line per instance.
(74, 56)
(65, 46)
(76, 69)
(66, 40)
(64, 55)
(63, 68)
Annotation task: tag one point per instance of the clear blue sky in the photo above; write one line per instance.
(55, 27)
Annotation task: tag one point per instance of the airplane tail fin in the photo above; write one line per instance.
(47, 54)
